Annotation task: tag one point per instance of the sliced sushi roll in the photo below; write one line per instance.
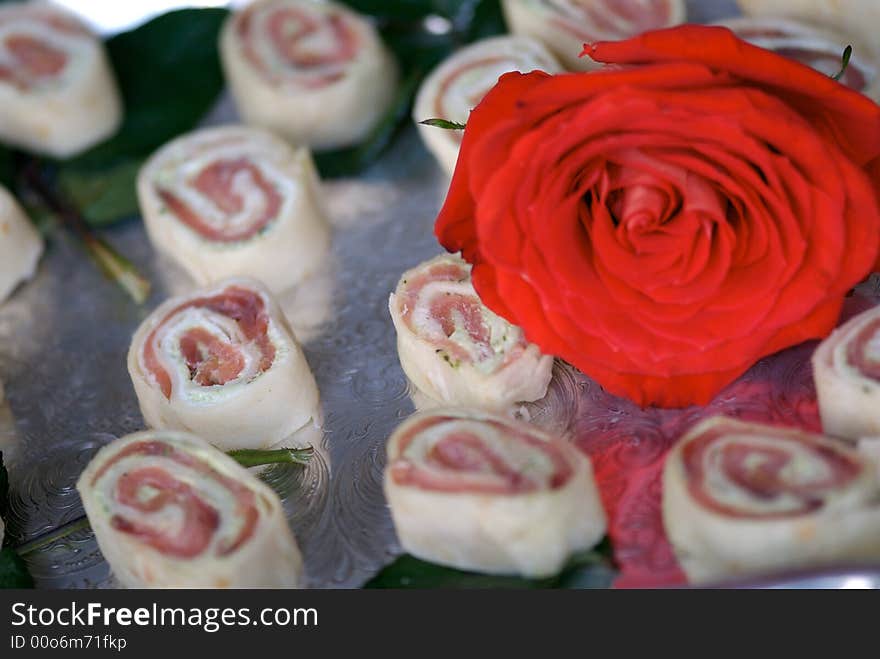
(20, 245)
(749, 499)
(235, 201)
(564, 26)
(480, 492)
(171, 511)
(846, 370)
(819, 48)
(454, 349)
(316, 73)
(223, 363)
(57, 91)
(453, 88)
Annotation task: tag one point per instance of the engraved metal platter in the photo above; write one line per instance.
(64, 338)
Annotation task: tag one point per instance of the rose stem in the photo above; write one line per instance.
(114, 266)
(244, 457)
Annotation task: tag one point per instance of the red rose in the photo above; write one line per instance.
(665, 222)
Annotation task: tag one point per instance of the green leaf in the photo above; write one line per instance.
(104, 196)
(7, 168)
(168, 71)
(4, 487)
(402, 27)
(844, 62)
(13, 570)
(486, 20)
(393, 10)
(259, 457)
(350, 161)
(591, 569)
(443, 123)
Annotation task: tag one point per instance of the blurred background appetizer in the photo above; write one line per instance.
(453, 349)
(817, 47)
(870, 448)
(858, 18)
(223, 363)
(20, 245)
(316, 73)
(479, 492)
(846, 370)
(564, 26)
(171, 511)
(745, 499)
(461, 81)
(57, 91)
(233, 201)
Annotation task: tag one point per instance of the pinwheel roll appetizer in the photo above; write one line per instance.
(315, 72)
(235, 201)
(819, 48)
(846, 370)
(564, 26)
(479, 492)
(456, 351)
(20, 245)
(171, 511)
(57, 92)
(858, 18)
(453, 89)
(747, 499)
(223, 363)
(869, 447)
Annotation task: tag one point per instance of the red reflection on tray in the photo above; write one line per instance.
(628, 446)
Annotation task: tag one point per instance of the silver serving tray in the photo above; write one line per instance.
(64, 337)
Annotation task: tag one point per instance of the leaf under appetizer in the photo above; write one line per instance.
(13, 570)
(4, 487)
(7, 167)
(350, 161)
(258, 457)
(115, 266)
(590, 569)
(105, 196)
(169, 75)
(403, 27)
(51, 537)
